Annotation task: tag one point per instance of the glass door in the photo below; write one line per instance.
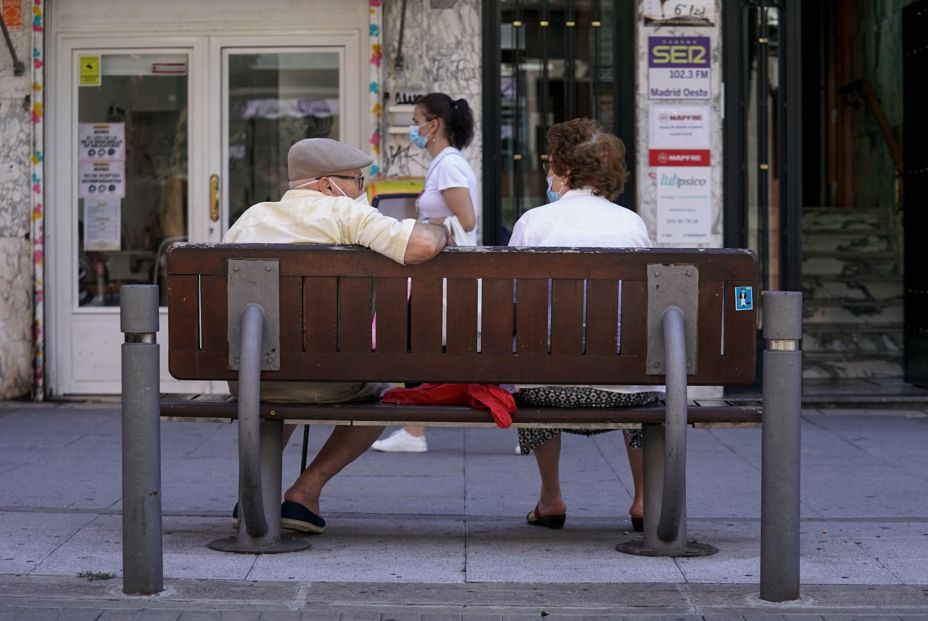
(125, 161)
(274, 92)
(157, 141)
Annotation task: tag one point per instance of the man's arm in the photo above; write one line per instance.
(426, 241)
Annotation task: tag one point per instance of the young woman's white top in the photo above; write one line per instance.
(449, 169)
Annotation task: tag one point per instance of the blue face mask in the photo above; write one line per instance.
(552, 195)
(418, 140)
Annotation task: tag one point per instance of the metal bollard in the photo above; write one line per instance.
(780, 475)
(142, 562)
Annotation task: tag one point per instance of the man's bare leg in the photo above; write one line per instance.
(344, 446)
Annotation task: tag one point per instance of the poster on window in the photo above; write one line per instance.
(679, 68)
(684, 204)
(102, 224)
(101, 180)
(101, 142)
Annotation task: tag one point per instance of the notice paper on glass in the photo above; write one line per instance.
(101, 142)
(102, 223)
(101, 179)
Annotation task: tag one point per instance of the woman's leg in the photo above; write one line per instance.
(548, 457)
(636, 464)
(415, 430)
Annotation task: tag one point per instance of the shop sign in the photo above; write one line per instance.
(679, 68)
(680, 12)
(683, 204)
(685, 127)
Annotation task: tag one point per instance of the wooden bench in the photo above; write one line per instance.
(259, 312)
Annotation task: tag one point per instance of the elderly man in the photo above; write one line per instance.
(326, 205)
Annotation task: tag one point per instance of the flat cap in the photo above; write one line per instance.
(316, 157)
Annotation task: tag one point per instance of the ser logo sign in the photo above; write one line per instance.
(679, 68)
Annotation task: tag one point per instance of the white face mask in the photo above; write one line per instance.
(362, 199)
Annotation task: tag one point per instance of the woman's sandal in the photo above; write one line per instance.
(637, 524)
(554, 520)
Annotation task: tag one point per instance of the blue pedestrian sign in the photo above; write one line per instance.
(744, 298)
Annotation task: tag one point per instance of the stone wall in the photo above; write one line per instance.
(441, 52)
(15, 225)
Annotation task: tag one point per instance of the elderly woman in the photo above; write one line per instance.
(586, 171)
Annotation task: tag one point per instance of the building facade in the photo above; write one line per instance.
(132, 125)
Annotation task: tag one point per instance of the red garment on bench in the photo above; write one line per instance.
(484, 396)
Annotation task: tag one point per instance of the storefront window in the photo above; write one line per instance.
(132, 169)
(557, 63)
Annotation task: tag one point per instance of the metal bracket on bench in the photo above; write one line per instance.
(672, 285)
(665, 457)
(255, 282)
(253, 304)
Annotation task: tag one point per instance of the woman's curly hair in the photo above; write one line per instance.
(588, 156)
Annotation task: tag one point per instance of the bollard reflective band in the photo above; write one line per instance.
(141, 337)
(782, 345)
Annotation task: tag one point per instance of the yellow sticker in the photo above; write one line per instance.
(90, 70)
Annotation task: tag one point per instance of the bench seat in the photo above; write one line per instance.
(223, 407)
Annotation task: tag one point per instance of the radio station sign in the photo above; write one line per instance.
(679, 68)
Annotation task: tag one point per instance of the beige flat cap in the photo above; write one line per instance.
(317, 157)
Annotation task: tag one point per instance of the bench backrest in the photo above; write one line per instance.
(548, 315)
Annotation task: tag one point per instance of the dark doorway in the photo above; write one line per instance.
(547, 61)
(915, 176)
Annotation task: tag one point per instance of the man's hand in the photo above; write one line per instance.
(426, 241)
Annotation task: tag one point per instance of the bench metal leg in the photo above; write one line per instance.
(665, 459)
(780, 474)
(260, 451)
(142, 553)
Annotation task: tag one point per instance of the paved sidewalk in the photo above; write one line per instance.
(441, 535)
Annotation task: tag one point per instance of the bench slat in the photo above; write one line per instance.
(567, 317)
(532, 315)
(184, 327)
(355, 304)
(392, 311)
(497, 316)
(602, 312)
(214, 317)
(320, 316)
(634, 324)
(291, 320)
(711, 317)
(425, 316)
(462, 316)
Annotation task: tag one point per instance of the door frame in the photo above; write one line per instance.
(61, 231)
(207, 151)
(341, 42)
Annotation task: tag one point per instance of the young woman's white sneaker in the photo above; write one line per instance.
(401, 441)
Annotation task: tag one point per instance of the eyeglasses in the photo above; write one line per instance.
(359, 179)
(546, 166)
